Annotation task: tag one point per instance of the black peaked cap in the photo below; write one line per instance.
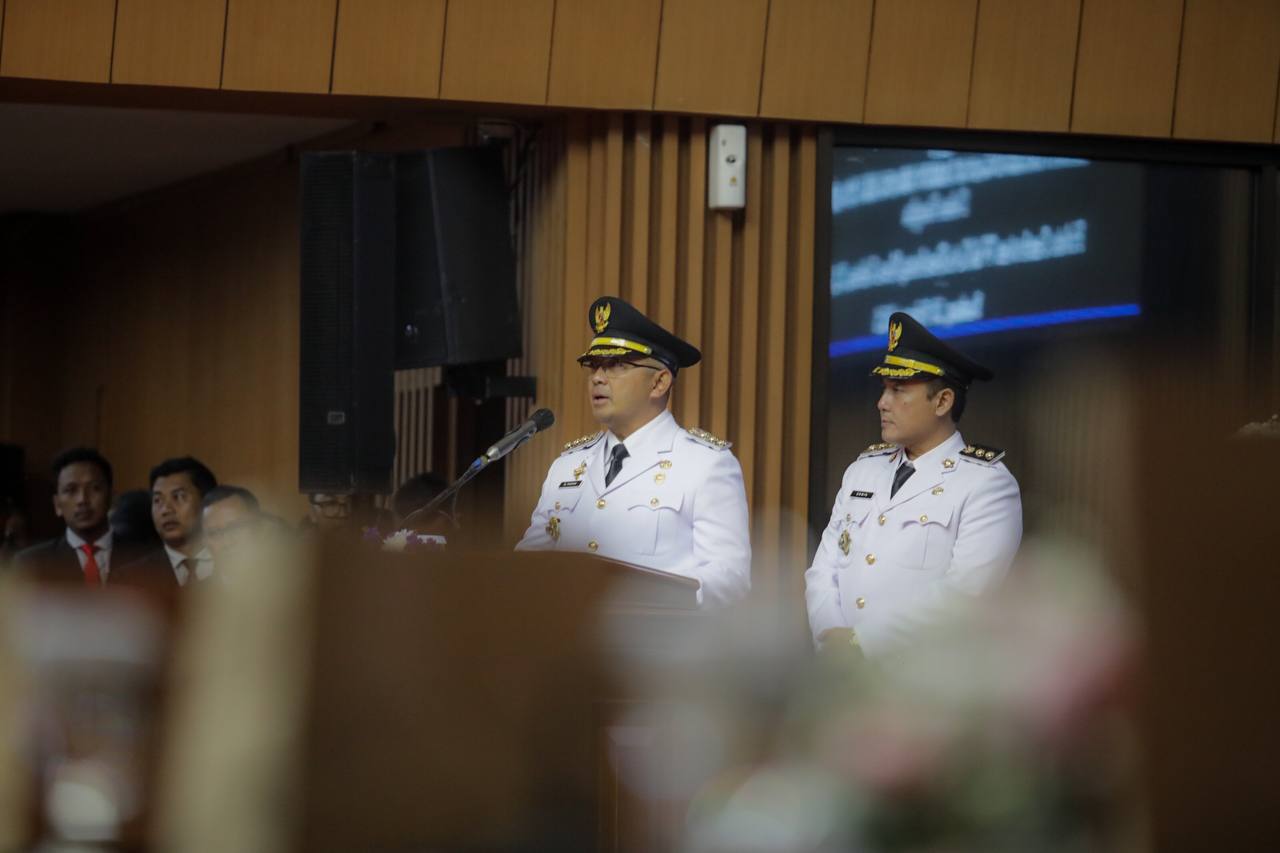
(914, 352)
(621, 330)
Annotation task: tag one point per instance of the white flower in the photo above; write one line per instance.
(397, 541)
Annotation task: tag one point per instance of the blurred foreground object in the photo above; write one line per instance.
(348, 698)
(1269, 428)
(1206, 520)
(1004, 728)
(91, 664)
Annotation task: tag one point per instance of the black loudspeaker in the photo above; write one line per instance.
(346, 441)
(457, 300)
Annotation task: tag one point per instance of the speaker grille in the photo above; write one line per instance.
(345, 362)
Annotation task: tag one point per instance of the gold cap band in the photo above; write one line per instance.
(910, 363)
(623, 343)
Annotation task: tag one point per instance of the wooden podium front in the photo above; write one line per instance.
(460, 701)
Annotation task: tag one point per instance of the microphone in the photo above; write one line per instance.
(539, 421)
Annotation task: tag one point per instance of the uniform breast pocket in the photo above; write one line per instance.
(564, 499)
(849, 528)
(925, 538)
(654, 525)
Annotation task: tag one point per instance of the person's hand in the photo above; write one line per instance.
(839, 642)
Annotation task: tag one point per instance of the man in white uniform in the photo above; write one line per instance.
(923, 519)
(644, 490)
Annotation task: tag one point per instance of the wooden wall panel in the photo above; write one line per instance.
(58, 39)
(772, 364)
(998, 64)
(194, 341)
(637, 215)
(739, 285)
(604, 53)
(1276, 136)
(921, 56)
(1227, 70)
(1126, 67)
(743, 421)
(178, 322)
(281, 46)
(1024, 59)
(169, 42)
(389, 47)
(691, 274)
(496, 50)
(796, 394)
(710, 56)
(815, 59)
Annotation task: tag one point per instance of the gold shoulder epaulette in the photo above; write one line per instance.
(983, 454)
(705, 438)
(584, 441)
(879, 449)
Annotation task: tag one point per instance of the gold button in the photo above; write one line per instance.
(600, 504)
(871, 559)
(882, 520)
(653, 501)
(924, 519)
(938, 490)
(659, 477)
(861, 602)
(948, 463)
(593, 545)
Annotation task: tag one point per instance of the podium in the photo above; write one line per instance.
(462, 701)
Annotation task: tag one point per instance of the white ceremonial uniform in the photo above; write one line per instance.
(677, 504)
(887, 565)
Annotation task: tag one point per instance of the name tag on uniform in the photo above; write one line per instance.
(570, 484)
(857, 494)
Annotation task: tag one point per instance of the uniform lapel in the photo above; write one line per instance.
(884, 480)
(596, 464)
(66, 556)
(648, 454)
(928, 476)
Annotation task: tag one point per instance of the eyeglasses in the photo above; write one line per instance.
(612, 367)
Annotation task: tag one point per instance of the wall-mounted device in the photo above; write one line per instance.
(727, 167)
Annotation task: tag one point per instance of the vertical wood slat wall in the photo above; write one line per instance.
(615, 204)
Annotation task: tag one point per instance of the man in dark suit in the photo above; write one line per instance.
(86, 551)
(177, 488)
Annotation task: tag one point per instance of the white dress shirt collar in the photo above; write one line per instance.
(101, 550)
(639, 440)
(933, 458)
(204, 564)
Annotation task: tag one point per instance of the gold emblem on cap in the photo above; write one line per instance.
(602, 317)
(895, 332)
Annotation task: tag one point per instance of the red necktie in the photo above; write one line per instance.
(91, 577)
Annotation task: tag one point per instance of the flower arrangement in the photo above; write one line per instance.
(404, 540)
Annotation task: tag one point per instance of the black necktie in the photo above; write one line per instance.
(615, 462)
(904, 472)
